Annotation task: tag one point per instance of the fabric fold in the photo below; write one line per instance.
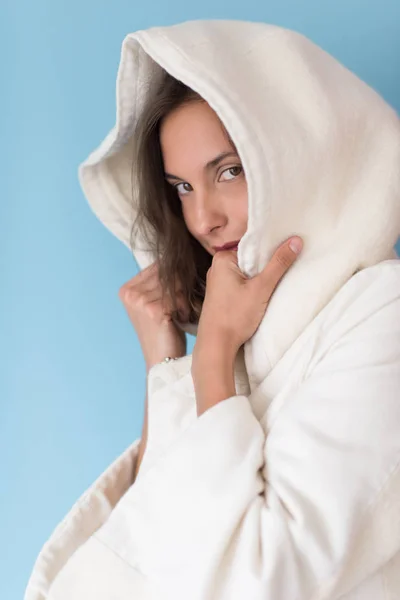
(232, 509)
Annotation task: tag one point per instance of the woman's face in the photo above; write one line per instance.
(207, 174)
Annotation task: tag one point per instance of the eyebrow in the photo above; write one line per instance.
(210, 165)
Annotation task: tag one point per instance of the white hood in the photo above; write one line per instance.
(320, 149)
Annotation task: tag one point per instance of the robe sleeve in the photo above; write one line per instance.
(306, 506)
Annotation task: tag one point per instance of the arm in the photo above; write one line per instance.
(308, 510)
(158, 375)
(213, 373)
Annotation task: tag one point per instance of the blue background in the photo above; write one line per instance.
(72, 376)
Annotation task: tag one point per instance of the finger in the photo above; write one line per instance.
(178, 283)
(282, 260)
(156, 295)
(150, 277)
(143, 276)
(182, 306)
(153, 282)
(149, 271)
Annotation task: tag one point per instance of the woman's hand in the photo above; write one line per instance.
(234, 304)
(151, 317)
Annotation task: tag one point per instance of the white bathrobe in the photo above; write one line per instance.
(290, 489)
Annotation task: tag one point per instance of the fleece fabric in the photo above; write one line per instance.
(289, 490)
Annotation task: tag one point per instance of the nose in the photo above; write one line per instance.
(207, 213)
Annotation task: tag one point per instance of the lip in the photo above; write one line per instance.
(227, 246)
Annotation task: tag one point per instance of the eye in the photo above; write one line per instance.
(233, 171)
(185, 191)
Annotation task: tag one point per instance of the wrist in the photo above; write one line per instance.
(213, 377)
(165, 358)
(215, 347)
(213, 356)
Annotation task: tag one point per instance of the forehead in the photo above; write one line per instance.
(190, 136)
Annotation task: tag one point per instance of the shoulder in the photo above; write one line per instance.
(376, 283)
(365, 313)
(370, 291)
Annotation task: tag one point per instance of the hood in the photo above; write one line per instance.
(320, 149)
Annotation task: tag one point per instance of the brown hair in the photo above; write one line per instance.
(159, 212)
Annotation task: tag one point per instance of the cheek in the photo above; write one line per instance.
(231, 201)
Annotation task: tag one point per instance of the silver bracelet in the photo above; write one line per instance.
(168, 358)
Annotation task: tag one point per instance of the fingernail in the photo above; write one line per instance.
(296, 244)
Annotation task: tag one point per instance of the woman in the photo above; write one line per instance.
(178, 133)
(269, 466)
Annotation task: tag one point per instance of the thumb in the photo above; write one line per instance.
(282, 260)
